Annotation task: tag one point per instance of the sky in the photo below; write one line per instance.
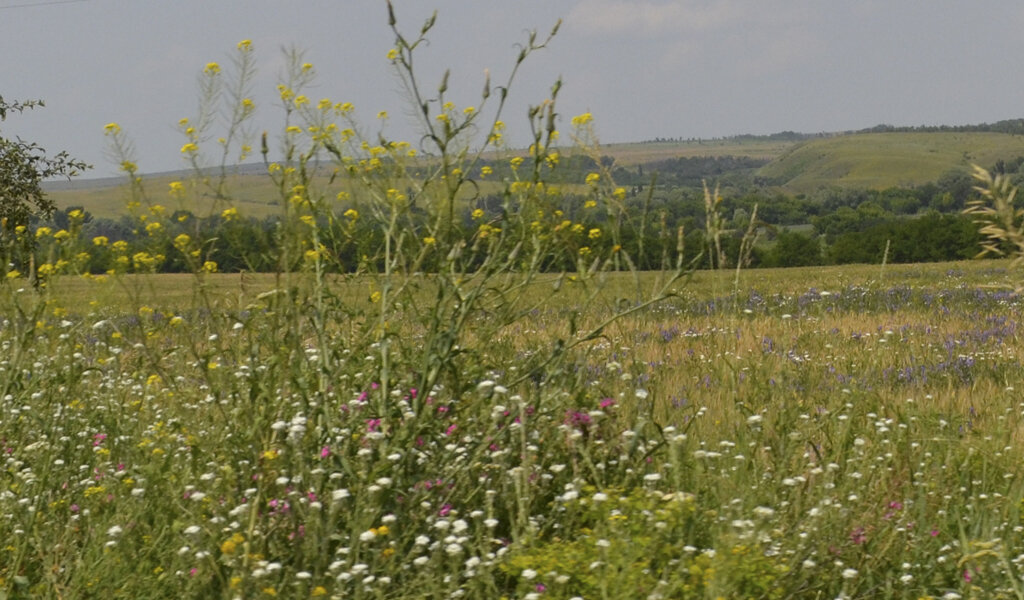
(644, 68)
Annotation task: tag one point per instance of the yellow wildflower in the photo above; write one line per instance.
(583, 119)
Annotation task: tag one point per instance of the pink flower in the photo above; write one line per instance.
(325, 452)
(858, 537)
(451, 429)
(607, 402)
(447, 508)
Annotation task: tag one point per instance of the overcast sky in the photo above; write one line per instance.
(644, 68)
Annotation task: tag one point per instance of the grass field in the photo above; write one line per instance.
(849, 431)
(882, 160)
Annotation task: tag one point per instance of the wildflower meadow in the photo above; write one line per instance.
(489, 400)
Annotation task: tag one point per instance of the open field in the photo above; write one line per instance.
(812, 433)
(882, 160)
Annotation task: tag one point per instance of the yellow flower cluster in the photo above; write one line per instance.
(583, 119)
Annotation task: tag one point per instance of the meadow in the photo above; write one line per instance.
(508, 409)
(822, 432)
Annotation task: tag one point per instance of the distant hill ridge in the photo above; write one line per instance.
(1011, 126)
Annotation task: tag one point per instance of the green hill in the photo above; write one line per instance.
(872, 160)
(882, 160)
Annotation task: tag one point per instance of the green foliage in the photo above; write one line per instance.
(641, 543)
(23, 168)
(794, 250)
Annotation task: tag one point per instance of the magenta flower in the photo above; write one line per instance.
(858, 536)
(579, 420)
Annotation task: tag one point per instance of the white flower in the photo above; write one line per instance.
(528, 574)
(114, 531)
(338, 495)
(764, 511)
(367, 535)
(849, 573)
(192, 530)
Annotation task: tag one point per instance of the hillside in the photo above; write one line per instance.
(866, 160)
(883, 160)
